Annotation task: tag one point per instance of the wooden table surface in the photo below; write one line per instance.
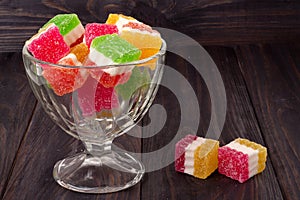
(256, 47)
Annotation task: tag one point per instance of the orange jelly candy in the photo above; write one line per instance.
(143, 37)
(81, 51)
(115, 18)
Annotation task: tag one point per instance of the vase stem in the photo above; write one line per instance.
(98, 149)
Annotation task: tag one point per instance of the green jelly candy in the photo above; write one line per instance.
(139, 79)
(65, 22)
(115, 48)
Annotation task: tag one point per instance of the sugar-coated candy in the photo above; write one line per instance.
(132, 82)
(241, 159)
(111, 49)
(64, 80)
(119, 20)
(108, 80)
(94, 98)
(93, 30)
(143, 37)
(196, 156)
(48, 45)
(64, 41)
(180, 152)
(137, 33)
(69, 26)
(81, 51)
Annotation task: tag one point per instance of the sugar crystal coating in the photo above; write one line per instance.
(64, 41)
(206, 159)
(262, 152)
(114, 49)
(180, 151)
(196, 156)
(119, 20)
(81, 51)
(64, 80)
(93, 97)
(241, 159)
(48, 45)
(69, 26)
(142, 37)
(108, 80)
(93, 30)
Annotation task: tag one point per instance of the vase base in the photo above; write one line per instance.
(109, 172)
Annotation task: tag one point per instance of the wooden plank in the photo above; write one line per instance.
(272, 75)
(16, 107)
(208, 21)
(241, 121)
(45, 144)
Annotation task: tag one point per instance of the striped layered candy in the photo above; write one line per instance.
(196, 156)
(111, 49)
(120, 20)
(143, 37)
(70, 28)
(241, 159)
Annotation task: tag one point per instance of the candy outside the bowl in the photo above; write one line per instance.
(241, 159)
(196, 156)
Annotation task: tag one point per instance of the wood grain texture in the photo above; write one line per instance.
(16, 107)
(269, 115)
(208, 21)
(272, 75)
(240, 122)
(45, 144)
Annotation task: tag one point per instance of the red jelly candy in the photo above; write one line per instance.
(93, 30)
(94, 97)
(65, 80)
(180, 151)
(48, 45)
(233, 164)
(105, 98)
(108, 80)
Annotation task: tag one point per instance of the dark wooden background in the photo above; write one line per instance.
(256, 46)
(208, 21)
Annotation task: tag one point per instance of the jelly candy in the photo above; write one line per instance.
(138, 79)
(81, 51)
(93, 30)
(93, 97)
(119, 20)
(180, 152)
(143, 37)
(64, 80)
(108, 80)
(241, 159)
(111, 49)
(69, 26)
(196, 156)
(48, 45)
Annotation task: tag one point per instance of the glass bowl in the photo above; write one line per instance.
(100, 103)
